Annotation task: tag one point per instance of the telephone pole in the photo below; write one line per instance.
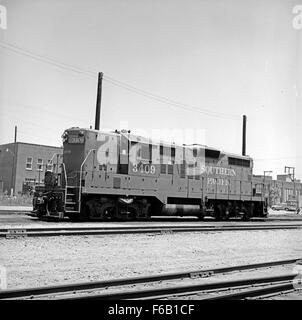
(244, 136)
(13, 177)
(98, 102)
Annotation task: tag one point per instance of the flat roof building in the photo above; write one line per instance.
(22, 165)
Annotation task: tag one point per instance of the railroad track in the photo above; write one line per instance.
(261, 290)
(91, 290)
(246, 287)
(78, 231)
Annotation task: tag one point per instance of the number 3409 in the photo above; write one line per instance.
(144, 168)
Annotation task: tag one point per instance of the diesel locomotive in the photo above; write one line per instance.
(118, 175)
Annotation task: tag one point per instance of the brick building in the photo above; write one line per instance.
(287, 189)
(22, 165)
(281, 190)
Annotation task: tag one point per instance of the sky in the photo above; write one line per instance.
(193, 66)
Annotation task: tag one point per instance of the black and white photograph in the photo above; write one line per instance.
(150, 153)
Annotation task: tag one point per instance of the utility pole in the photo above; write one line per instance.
(98, 102)
(13, 177)
(244, 136)
(291, 172)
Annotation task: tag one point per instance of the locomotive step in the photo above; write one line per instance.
(70, 202)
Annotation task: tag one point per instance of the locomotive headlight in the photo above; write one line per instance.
(81, 133)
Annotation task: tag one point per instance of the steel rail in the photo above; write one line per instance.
(204, 273)
(254, 292)
(146, 226)
(136, 230)
(187, 289)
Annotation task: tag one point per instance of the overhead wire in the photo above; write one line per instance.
(46, 59)
(168, 101)
(115, 82)
(49, 110)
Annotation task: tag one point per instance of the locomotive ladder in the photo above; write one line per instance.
(71, 199)
(73, 193)
(71, 196)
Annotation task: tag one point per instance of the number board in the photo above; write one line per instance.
(75, 139)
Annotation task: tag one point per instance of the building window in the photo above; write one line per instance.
(258, 188)
(29, 163)
(40, 165)
(195, 153)
(49, 165)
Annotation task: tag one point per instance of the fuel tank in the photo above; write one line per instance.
(180, 210)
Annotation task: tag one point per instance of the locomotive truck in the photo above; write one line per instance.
(118, 175)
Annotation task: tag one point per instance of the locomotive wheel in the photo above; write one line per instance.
(200, 217)
(246, 216)
(132, 213)
(217, 213)
(148, 215)
(126, 213)
(106, 212)
(226, 214)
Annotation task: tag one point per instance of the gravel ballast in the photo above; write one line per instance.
(32, 262)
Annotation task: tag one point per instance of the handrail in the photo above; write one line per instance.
(60, 154)
(81, 172)
(65, 175)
